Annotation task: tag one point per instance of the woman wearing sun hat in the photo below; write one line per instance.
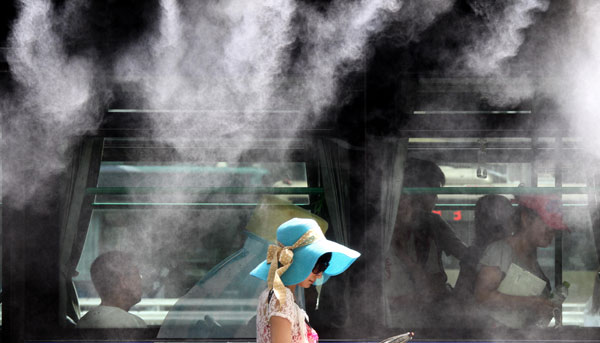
(511, 303)
(302, 257)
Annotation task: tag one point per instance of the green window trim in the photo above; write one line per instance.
(496, 190)
(204, 190)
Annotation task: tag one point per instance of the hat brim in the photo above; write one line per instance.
(305, 259)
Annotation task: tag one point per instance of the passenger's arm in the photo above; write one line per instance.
(281, 330)
(486, 292)
(449, 241)
(428, 286)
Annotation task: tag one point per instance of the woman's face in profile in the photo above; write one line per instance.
(310, 280)
(540, 233)
(132, 284)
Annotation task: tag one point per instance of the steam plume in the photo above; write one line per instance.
(234, 57)
(576, 88)
(337, 37)
(505, 37)
(55, 96)
(489, 55)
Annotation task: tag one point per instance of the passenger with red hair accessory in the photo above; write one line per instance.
(537, 217)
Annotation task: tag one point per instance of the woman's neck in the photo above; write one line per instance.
(523, 247)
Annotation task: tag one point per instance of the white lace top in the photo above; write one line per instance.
(301, 331)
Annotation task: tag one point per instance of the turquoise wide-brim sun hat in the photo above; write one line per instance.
(305, 257)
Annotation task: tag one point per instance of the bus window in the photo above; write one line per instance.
(183, 220)
(513, 167)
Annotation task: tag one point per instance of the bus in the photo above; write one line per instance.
(119, 134)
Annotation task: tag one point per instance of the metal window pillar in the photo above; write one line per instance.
(558, 238)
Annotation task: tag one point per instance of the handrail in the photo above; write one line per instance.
(170, 302)
(496, 190)
(204, 190)
(319, 190)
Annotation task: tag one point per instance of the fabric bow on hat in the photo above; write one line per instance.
(285, 255)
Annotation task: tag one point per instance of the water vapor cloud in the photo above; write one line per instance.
(55, 95)
(253, 58)
(576, 84)
(216, 66)
(203, 57)
(505, 22)
(491, 49)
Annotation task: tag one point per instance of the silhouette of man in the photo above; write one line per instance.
(416, 285)
(119, 284)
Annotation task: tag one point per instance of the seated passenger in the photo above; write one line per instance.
(511, 285)
(494, 218)
(119, 285)
(415, 282)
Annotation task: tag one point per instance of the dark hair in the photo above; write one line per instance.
(325, 258)
(519, 212)
(422, 173)
(108, 269)
(323, 261)
(493, 214)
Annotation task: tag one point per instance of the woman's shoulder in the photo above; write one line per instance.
(497, 254)
(289, 298)
(286, 309)
(500, 246)
(268, 296)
